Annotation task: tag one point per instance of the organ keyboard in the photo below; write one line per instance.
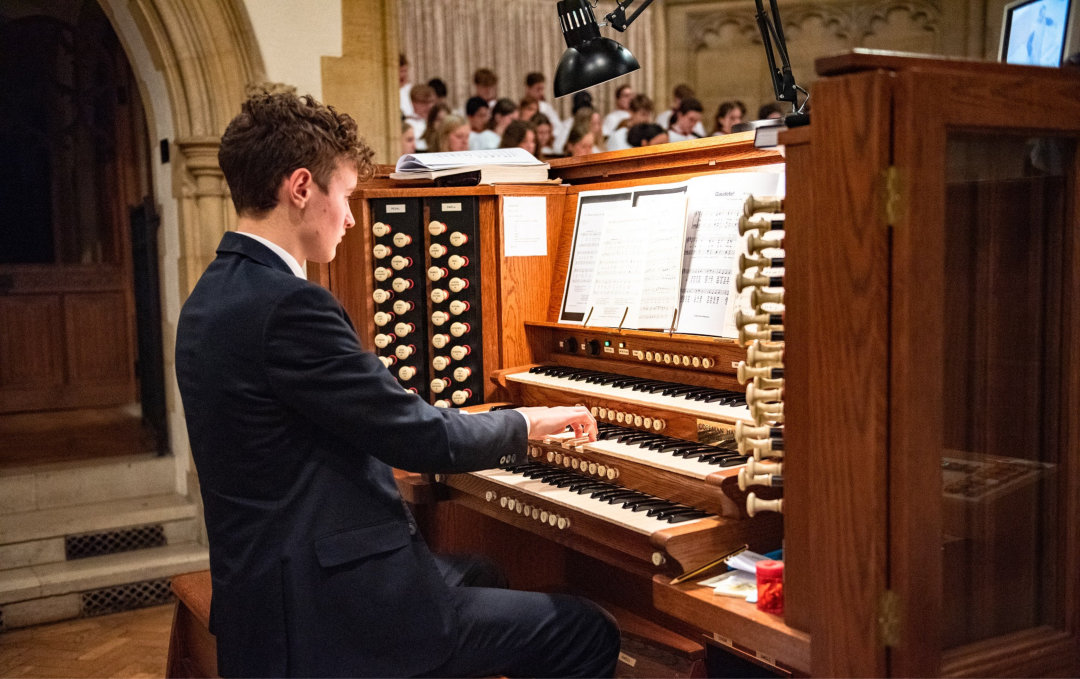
(618, 508)
(687, 399)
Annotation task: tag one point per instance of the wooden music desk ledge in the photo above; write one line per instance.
(192, 648)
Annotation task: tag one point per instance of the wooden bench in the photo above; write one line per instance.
(192, 648)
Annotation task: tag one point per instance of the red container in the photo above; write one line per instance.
(770, 586)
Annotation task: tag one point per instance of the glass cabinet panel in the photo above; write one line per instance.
(1005, 335)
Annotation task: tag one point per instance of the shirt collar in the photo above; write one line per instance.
(280, 252)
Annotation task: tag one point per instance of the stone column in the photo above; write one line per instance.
(363, 81)
(205, 206)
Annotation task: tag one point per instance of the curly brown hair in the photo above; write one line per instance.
(278, 132)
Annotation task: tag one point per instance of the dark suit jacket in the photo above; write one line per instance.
(317, 566)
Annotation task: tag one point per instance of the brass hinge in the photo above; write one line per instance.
(889, 618)
(892, 195)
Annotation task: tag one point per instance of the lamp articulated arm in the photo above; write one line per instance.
(617, 17)
(783, 80)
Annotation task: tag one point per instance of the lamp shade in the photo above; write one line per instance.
(591, 63)
(589, 59)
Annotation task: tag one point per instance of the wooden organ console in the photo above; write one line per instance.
(809, 412)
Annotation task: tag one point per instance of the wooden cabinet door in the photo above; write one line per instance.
(985, 325)
(65, 337)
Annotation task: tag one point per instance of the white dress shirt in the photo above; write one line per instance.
(280, 252)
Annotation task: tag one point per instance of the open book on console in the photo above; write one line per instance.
(467, 168)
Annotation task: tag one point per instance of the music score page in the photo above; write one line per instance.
(636, 281)
(713, 245)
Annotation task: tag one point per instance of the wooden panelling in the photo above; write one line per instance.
(66, 338)
(524, 281)
(31, 344)
(98, 347)
(836, 359)
(736, 621)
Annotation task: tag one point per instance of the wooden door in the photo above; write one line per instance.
(74, 160)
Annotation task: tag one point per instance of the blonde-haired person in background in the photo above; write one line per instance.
(452, 135)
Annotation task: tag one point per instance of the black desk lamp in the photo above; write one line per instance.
(590, 59)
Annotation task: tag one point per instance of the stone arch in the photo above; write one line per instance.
(207, 53)
(194, 59)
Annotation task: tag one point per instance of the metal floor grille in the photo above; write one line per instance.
(113, 542)
(126, 597)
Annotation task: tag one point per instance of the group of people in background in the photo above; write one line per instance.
(487, 121)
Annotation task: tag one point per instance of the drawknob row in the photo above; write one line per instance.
(761, 333)
(453, 323)
(403, 317)
(399, 328)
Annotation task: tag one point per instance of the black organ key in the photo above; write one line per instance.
(681, 514)
(672, 445)
(634, 437)
(719, 455)
(586, 486)
(733, 461)
(660, 511)
(642, 505)
(684, 517)
(680, 390)
(611, 490)
(619, 496)
(610, 432)
(694, 451)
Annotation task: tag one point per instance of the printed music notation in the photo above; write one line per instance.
(640, 254)
(712, 246)
(636, 282)
(585, 251)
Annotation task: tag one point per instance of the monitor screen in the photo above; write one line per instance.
(1034, 32)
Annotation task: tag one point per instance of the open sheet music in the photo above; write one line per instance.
(662, 257)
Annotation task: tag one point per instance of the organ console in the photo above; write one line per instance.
(799, 432)
(663, 490)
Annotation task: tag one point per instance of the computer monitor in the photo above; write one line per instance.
(1039, 32)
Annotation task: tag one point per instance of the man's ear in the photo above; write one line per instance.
(298, 187)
